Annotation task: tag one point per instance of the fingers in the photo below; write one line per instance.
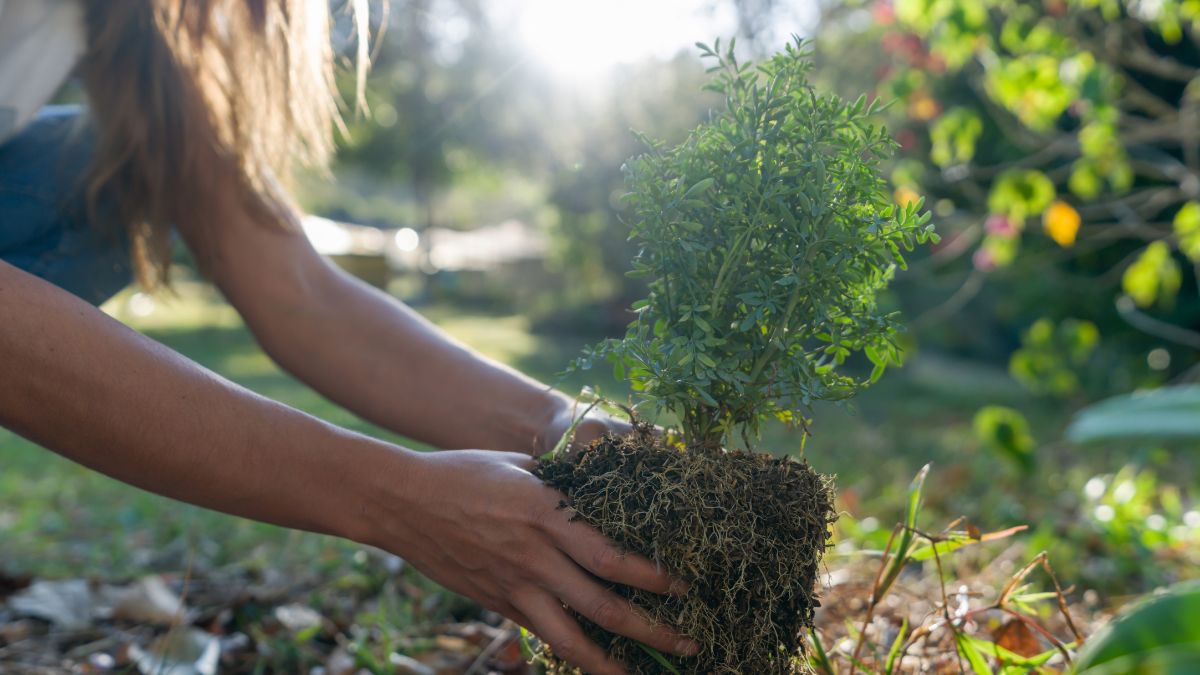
(614, 613)
(599, 556)
(552, 625)
(591, 428)
(520, 460)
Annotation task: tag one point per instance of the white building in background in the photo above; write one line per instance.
(482, 249)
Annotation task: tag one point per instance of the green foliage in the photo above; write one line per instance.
(1051, 355)
(1168, 414)
(1086, 111)
(1153, 277)
(1136, 512)
(1021, 193)
(1187, 230)
(953, 137)
(765, 238)
(1030, 86)
(1157, 635)
(1005, 431)
(910, 544)
(952, 26)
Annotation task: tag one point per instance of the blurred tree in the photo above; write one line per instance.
(1058, 142)
(458, 106)
(465, 129)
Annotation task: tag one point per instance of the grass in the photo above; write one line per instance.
(59, 519)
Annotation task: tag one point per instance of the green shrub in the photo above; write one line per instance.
(765, 238)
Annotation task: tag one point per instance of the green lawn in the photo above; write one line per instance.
(57, 518)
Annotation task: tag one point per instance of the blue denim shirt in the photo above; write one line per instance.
(44, 228)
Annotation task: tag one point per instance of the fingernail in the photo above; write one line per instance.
(678, 587)
(687, 647)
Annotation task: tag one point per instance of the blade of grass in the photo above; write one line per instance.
(957, 540)
(526, 642)
(565, 441)
(657, 656)
(890, 665)
(977, 661)
(821, 658)
(901, 553)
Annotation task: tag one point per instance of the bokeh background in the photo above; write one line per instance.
(1056, 142)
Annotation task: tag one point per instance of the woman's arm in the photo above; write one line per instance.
(75, 381)
(371, 353)
(81, 384)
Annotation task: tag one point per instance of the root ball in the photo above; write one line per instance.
(746, 530)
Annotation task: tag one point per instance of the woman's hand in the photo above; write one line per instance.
(479, 523)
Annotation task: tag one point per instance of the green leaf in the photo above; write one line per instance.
(967, 649)
(1167, 414)
(699, 188)
(1008, 657)
(1157, 635)
(526, 642)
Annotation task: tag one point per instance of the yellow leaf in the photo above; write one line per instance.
(905, 195)
(923, 108)
(1061, 221)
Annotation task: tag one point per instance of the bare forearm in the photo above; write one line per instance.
(370, 353)
(81, 384)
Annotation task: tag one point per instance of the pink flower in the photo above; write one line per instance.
(1000, 225)
(984, 260)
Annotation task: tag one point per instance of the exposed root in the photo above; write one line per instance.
(746, 530)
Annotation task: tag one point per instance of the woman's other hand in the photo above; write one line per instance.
(480, 524)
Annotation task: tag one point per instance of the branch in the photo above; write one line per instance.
(1140, 57)
(965, 293)
(1151, 326)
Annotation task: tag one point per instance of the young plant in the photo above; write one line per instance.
(765, 236)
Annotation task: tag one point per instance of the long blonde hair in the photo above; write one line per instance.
(193, 98)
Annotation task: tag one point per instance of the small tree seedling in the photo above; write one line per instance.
(765, 238)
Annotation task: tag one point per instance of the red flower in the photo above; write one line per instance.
(883, 12)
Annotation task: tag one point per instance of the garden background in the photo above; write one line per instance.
(1055, 142)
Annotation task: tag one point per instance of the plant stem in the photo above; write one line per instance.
(769, 352)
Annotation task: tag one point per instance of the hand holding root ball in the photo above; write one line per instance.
(481, 524)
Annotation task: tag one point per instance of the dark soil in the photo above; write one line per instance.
(746, 530)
